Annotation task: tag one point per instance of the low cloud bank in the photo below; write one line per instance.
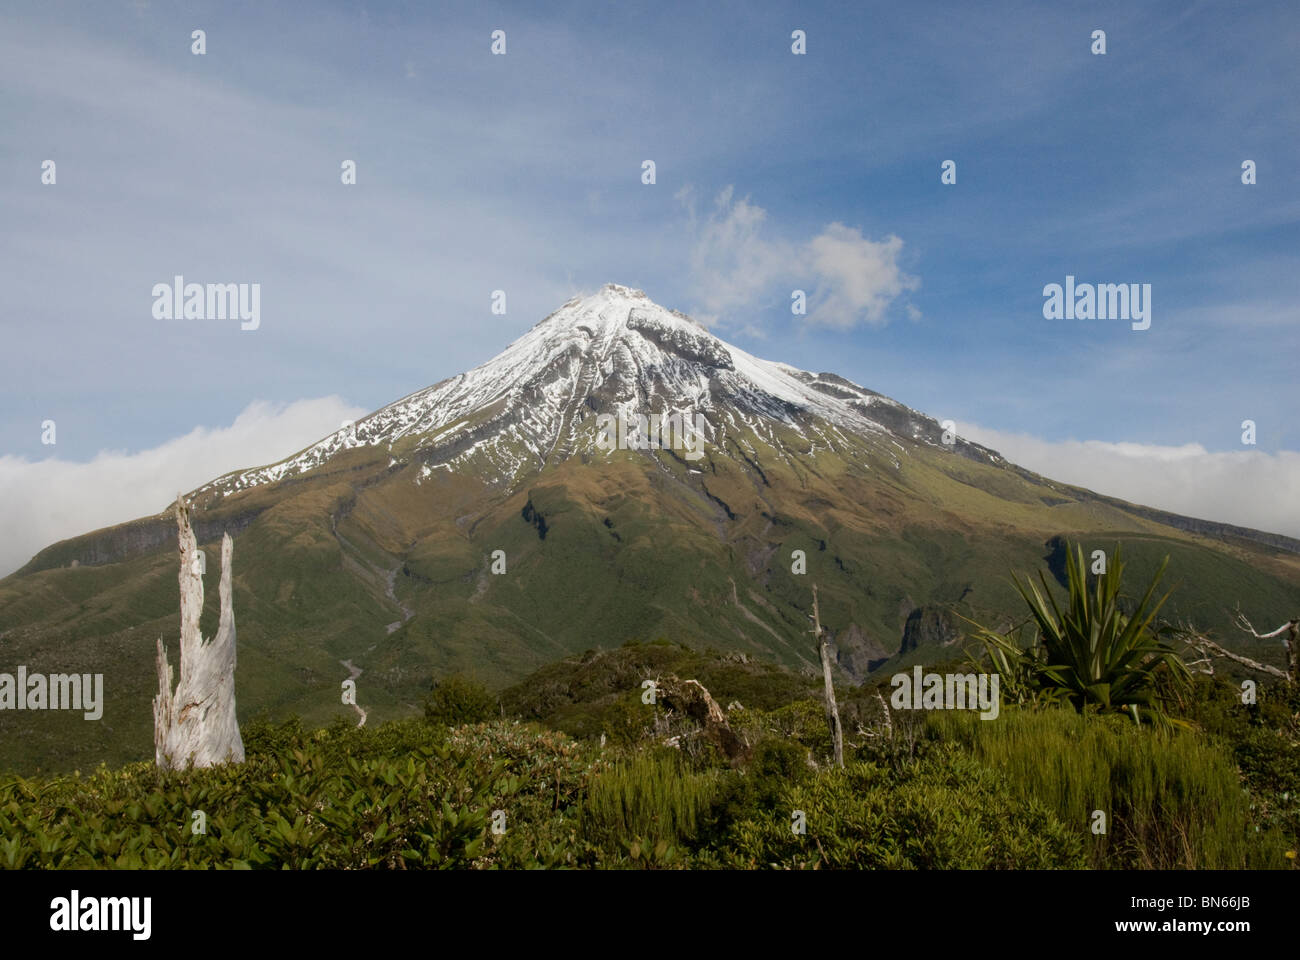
(50, 500)
(1249, 488)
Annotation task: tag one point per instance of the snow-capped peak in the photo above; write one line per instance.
(613, 351)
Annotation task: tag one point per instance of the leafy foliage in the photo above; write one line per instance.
(1264, 739)
(396, 798)
(1091, 653)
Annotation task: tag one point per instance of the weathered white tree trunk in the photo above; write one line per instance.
(196, 725)
(832, 708)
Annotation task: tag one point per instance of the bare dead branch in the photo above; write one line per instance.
(1244, 624)
(1208, 648)
(832, 708)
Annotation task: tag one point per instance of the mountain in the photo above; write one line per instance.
(378, 545)
(615, 352)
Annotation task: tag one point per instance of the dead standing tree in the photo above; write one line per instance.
(195, 725)
(832, 709)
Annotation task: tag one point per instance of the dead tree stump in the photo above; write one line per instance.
(195, 724)
(692, 699)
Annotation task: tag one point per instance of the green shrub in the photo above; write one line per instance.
(457, 699)
(777, 764)
(802, 722)
(1017, 792)
(1262, 738)
(398, 796)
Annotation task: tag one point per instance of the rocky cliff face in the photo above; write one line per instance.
(930, 626)
(856, 653)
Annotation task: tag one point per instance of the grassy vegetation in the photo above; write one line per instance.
(1168, 799)
(650, 804)
(939, 811)
(575, 767)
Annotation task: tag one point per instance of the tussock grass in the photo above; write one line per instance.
(1171, 799)
(652, 801)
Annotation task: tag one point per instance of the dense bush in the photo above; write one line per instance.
(1264, 739)
(398, 797)
(599, 692)
(923, 790)
(457, 699)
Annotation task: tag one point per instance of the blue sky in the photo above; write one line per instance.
(523, 173)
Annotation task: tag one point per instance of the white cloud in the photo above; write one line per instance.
(857, 278)
(1247, 488)
(735, 263)
(51, 500)
(732, 263)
